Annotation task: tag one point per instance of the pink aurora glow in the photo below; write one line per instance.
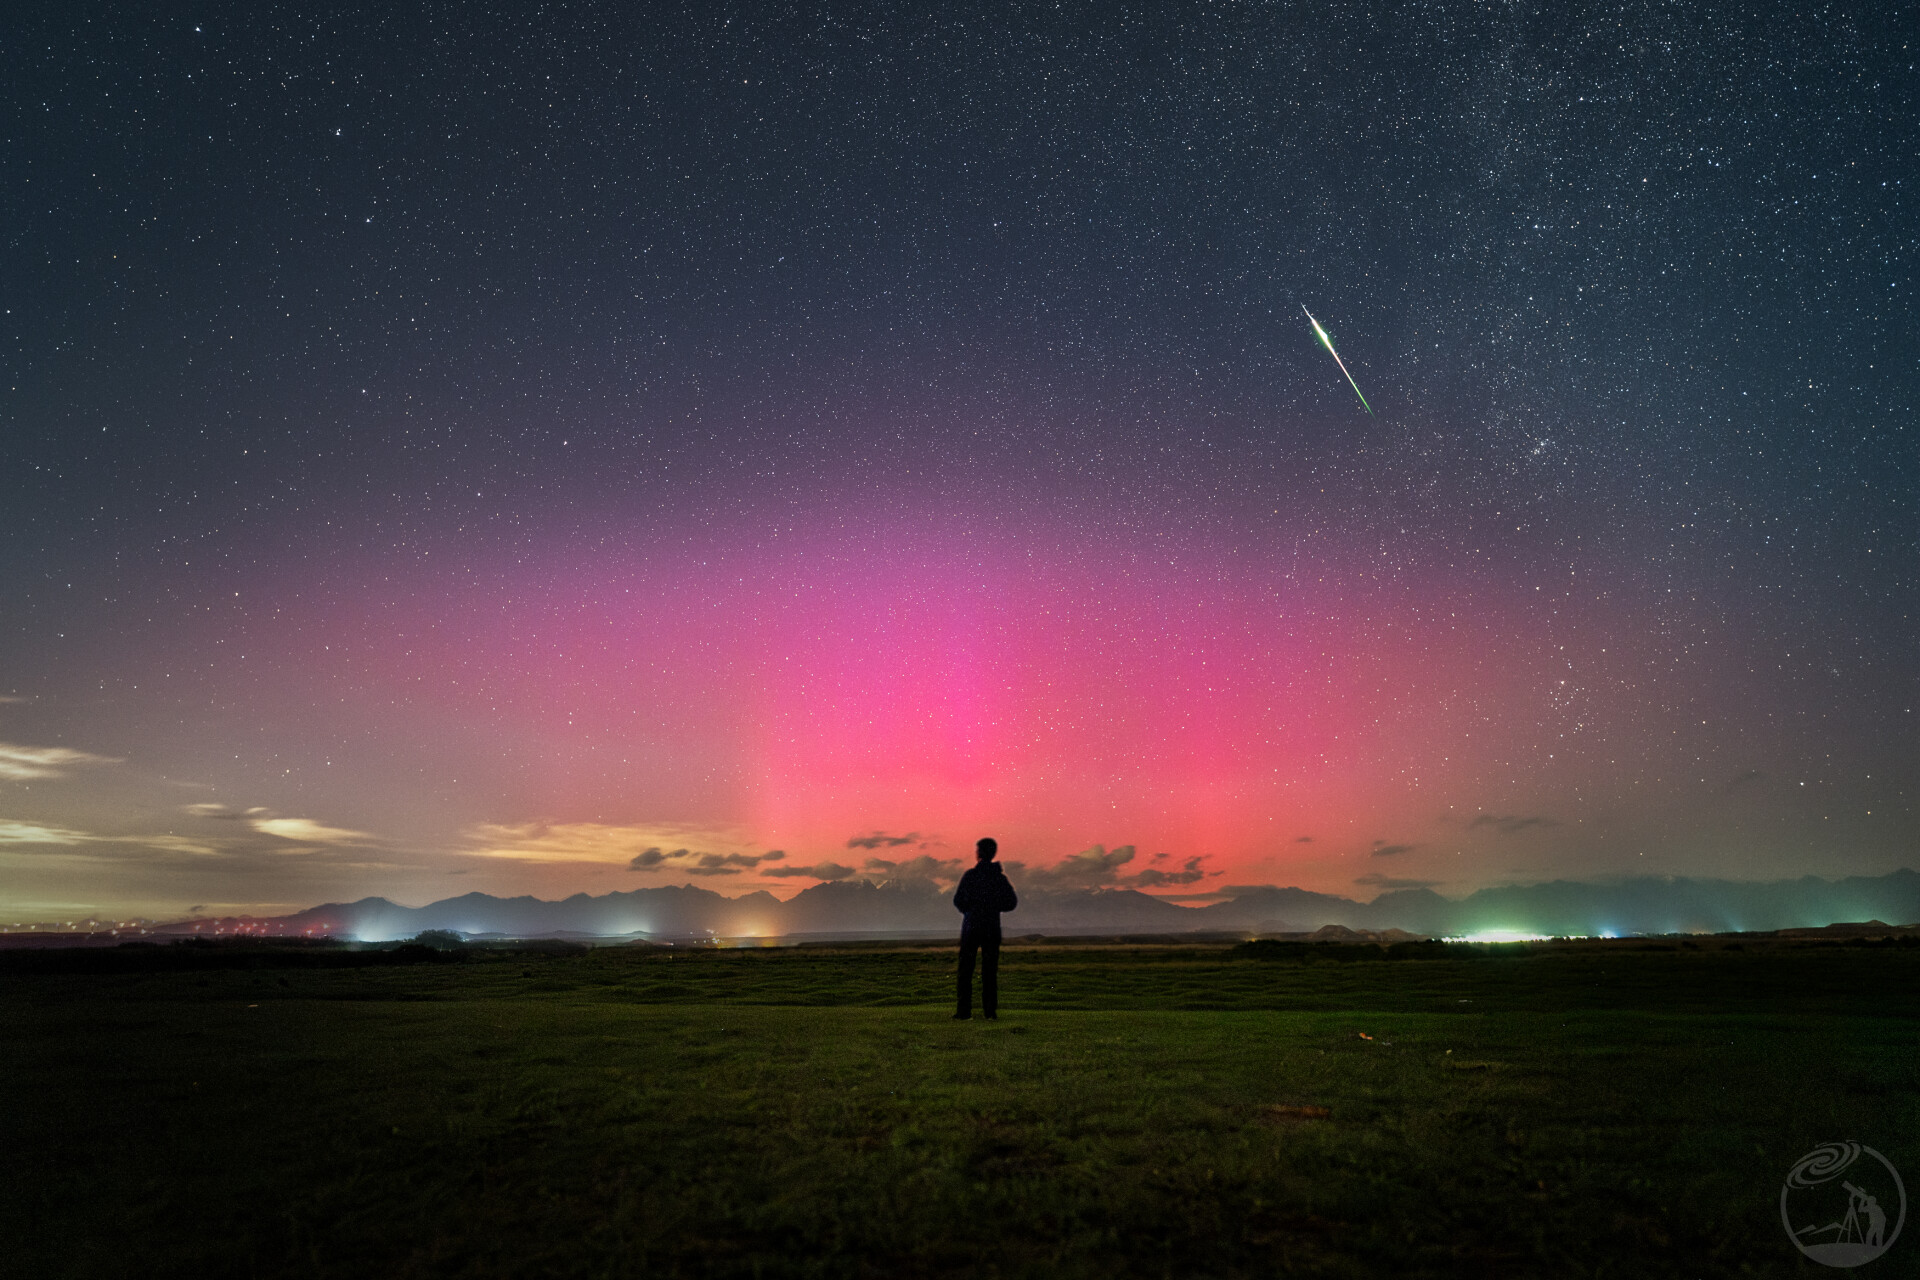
(905, 677)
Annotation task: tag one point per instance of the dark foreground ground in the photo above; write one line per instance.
(1570, 1112)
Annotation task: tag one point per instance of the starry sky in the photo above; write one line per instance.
(559, 448)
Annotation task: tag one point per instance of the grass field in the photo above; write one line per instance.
(1572, 1112)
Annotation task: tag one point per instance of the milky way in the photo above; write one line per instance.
(774, 427)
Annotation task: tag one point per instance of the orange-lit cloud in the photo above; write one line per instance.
(640, 847)
(22, 764)
(33, 833)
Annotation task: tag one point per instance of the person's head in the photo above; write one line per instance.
(987, 847)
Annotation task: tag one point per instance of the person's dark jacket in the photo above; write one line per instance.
(983, 894)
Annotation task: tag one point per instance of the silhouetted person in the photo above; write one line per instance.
(1860, 1202)
(983, 894)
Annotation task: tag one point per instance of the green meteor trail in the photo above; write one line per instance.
(1327, 342)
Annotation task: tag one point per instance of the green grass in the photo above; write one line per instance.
(805, 1113)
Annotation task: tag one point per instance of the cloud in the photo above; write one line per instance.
(694, 862)
(299, 830)
(920, 868)
(1154, 878)
(818, 871)
(12, 832)
(731, 864)
(224, 812)
(559, 842)
(1096, 862)
(1303, 840)
(639, 847)
(307, 831)
(881, 840)
(1379, 881)
(1381, 849)
(31, 833)
(1510, 824)
(170, 844)
(1086, 869)
(1098, 867)
(8, 697)
(22, 764)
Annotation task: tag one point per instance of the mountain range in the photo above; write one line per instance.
(920, 908)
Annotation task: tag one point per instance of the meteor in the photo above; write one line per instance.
(1327, 342)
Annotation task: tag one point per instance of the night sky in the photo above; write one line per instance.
(458, 447)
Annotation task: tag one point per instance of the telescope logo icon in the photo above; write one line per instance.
(1843, 1204)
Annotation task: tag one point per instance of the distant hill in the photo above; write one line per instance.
(1642, 905)
(919, 908)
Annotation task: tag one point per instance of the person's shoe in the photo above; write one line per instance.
(963, 1017)
(993, 1017)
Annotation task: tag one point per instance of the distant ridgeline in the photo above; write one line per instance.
(911, 909)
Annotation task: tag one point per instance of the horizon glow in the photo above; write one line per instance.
(914, 681)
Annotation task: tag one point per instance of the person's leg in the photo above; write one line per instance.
(990, 977)
(963, 1005)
